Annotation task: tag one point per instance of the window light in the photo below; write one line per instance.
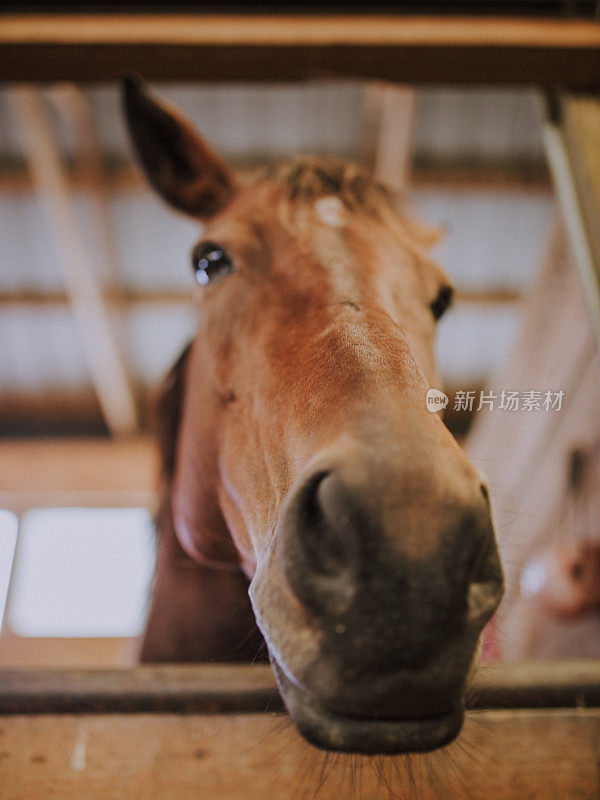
(8, 540)
(82, 572)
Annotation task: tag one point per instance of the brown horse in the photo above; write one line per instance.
(302, 465)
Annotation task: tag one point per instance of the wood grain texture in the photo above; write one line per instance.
(305, 29)
(292, 47)
(55, 472)
(501, 755)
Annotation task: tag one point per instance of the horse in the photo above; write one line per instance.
(310, 498)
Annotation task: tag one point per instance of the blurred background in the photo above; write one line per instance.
(95, 306)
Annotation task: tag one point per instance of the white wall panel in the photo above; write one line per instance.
(491, 241)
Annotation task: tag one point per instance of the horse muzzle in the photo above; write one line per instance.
(388, 580)
(387, 735)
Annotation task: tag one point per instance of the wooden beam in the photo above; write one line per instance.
(443, 174)
(229, 47)
(128, 298)
(241, 688)
(23, 653)
(113, 296)
(51, 412)
(440, 174)
(205, 688)
(82, 733)
(501, 755)
(82, 472)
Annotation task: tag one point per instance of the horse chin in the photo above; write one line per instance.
(370, 736)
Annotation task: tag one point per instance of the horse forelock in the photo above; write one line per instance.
(308, 178)
(304, 180)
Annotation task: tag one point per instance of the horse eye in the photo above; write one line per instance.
(208, 261)
(441, 302)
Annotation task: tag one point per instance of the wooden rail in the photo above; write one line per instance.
(228, 688)
(85, 737)
(229, 47)
(124, 299)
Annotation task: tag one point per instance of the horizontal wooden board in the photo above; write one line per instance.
(222, 688)
(241, 688)
(226, 47)
(501, 755)
(62, 472)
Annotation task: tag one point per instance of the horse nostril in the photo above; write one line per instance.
(341, 521)
(487, 584)
(485, 492)
(321, 548)
(577, 570)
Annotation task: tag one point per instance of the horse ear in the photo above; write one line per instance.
(176, 160)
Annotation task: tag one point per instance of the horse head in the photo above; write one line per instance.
(306, 455)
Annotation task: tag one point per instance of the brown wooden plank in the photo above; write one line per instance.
(537, 684)
(501, 755)
(240, 688)
(30, 652)
(298, 29)
(204, 47)
(182, 298)
(219, 688)
(426, 173)
(57, 472)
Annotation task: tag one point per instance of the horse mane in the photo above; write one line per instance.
(166, 421)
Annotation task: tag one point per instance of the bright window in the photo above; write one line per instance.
(82, 572)
(8, 541)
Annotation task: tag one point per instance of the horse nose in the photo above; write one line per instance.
(323, 543)
(343, 549)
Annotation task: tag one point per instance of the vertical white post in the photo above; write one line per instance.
(580, 217)
(385, 146)
(105, 362)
